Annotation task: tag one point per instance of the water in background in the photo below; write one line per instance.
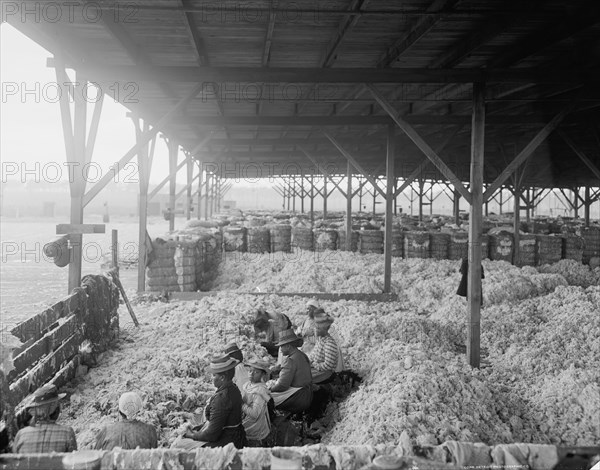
(29, 282)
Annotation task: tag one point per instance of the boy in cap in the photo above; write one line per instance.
(223, 412)
(255, 397)
(43, 435)
(129, 433)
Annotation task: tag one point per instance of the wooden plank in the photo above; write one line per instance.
(195, 74)
(582, 156)
(420, 143)
(318, 295)
(45, 369)
(43, 346)
(475, 225)
(62, 229)
(35, 327)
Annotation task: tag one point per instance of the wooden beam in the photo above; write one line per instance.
(144, 139)
(216, 75)
(475, 225)
(528, 150)
(582, 156)
(355, 163)
(79, 228)
(323, 170)
(349, 195)
(420, 143)
(165, 181)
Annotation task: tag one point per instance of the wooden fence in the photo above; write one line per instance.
(52, 340)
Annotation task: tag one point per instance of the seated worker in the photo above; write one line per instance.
(255, 398)
(307, 329)
(271, 324)
(292, 391)
(223, 412)
(241, 374)
(326, 356)
(43, 435)
(129, 433)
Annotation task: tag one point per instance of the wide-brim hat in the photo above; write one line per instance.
(262, 365)
(312, 303)
(287, 336)
(222, 364)
(45, 395)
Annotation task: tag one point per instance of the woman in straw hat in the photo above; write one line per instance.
(326, 357)
(241, 374)
(43, 435)
(255, 397)
(293, 389)
(129, 433)
(223, 412)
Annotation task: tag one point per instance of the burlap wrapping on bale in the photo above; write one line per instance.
(417, 244)
(302, 237)
(591, 239)
(370, 241)
(280, 238)
(100, 319)
(341, 240)
(573, 247)
(548, 249)
(234, 239)
(501, 246)
(325, 239)
(527, 248)
(440, 242)
(459, 245)
(258, 240)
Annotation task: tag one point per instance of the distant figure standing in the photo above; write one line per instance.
(43, 435)
(464, 280)
(129, 433)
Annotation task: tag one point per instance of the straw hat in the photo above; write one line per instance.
(312, 303)
(257, 364)
(287, 336)
(45, 395)
(222, 364)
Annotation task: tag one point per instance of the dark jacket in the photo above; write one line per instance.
(127, 435)
(223, 418)
(464, 280)
(295, 372)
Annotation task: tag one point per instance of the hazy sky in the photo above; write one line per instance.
(31, 134)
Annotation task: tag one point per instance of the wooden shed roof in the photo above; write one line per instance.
(276, 75)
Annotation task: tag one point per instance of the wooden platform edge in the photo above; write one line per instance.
(316, 295)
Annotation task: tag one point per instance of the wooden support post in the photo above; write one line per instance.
(190, 172)
(501, 201)
(516, 224)
(115, 249)
(200, 183)
(312, 200)
(586, 205)
(389, 196)
(77, 185)
(325, 194)
(527, 205)
(575, 191)
(219, 194)
(145, 158)
(475, 224)
(173, 151)
(421, 185)
(302, 194)
(374, 200)
(349, 207)
(456, 208)
(486, 203)
(295, 193)
(207, 197)
(290, 195)
(395, 195)
(360, 194)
